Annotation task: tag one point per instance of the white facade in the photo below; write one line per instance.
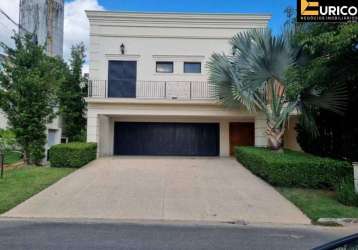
(179, 97)
(163, 37)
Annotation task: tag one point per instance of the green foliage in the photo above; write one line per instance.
(12, 157)
(255, 76)
(346, 193)
(293, 169)
(81, 137)
(332, 53)
(7, 140)
(8, 146)
(71, 97)
(28, 81)
(72, 155)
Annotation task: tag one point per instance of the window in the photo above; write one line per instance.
(192, 67)
(164, 67)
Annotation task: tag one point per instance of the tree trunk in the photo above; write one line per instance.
(275, 138)
(26, 158)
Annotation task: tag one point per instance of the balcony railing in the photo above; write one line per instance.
(187, 90)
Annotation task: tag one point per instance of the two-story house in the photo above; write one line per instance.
(149, 92)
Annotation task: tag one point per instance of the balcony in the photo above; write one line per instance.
(173, 90)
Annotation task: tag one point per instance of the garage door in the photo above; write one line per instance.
(182, 139)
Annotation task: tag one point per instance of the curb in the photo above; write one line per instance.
(337, 221)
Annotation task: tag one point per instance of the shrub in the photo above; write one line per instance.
(7, 140)
(346, 193)
(72, 155)
(12, 157)
(293, 169)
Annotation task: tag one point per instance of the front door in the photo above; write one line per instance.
(122, 77)
(241, 134)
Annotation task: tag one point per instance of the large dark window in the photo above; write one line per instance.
(164, 67)
(192, 67)
(122, 77)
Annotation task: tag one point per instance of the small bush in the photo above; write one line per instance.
(12, 157)
(346, 194)
(293, 169)
(72, 155)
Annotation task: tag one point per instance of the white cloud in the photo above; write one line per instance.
(11, 7)
(76, 26)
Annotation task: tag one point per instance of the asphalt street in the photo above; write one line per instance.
(31, 234)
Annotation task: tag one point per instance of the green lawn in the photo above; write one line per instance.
(12, 157)
(318, 203)
(20, 184)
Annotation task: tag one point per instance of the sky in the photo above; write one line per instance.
(76, 27)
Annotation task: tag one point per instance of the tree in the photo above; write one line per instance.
(28, 81)
(71, 96)
(332, 50)
(7, 144)
(255, 76)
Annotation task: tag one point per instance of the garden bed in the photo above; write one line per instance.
(312, 183)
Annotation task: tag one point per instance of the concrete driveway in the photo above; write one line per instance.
(162, 188)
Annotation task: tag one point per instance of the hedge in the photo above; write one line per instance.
(72, 155)
(293, 169)
(346, 193)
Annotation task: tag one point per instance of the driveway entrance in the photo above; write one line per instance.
(162, 188)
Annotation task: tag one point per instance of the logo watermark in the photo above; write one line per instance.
(327, 11)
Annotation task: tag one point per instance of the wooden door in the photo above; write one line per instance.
(241, 134)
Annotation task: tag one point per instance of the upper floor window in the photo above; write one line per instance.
(164, 67)
(192, 67)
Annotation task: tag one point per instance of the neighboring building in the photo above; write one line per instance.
(45, 19)
(149, 91)
(3, 119)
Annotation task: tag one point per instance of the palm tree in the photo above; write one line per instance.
(255, 76)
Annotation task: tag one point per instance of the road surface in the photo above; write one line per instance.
(56, 234)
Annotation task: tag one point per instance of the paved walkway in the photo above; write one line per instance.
(162, 188)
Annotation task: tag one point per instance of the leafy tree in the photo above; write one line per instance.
(28, 79)
(255, 76)
(71, 96)
(332, 50)
(7, 141)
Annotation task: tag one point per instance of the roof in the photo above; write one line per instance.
(176, 18)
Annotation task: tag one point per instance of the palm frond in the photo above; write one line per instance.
(334, 98)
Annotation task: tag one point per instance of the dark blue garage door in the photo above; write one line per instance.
(182, 139)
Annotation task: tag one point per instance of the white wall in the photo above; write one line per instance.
(162, 37)
(3, 120)
(260, 131)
